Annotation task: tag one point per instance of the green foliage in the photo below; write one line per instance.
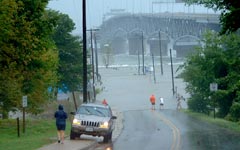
(235, 111)
(217, 61)
(230, 11)
(70, 53)
(198, 104)
(28, 57)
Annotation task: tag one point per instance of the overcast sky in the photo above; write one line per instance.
(97, 8)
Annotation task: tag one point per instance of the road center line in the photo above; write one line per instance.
(176, 132)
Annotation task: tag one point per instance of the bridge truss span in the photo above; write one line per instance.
(129, 34)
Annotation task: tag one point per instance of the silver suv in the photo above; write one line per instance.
(93, 119)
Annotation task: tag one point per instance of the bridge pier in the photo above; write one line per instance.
(120, 45)
(154, 47)
(135, 45)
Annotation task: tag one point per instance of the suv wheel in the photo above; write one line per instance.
(73, 135)
(110, 136)
(107, 137)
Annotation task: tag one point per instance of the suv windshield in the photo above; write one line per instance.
(98, 111)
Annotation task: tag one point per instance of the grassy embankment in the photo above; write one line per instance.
(234, 126)
(38, 132)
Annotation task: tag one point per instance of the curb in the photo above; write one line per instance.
(118, 124)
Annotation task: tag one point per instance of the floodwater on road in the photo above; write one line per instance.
(127, 90)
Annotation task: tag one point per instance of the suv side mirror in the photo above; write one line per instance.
(114, 117)
(72, 113)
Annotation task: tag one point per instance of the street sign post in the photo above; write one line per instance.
(24, 105)
(213, 88)
(1, 114)
(24, 101)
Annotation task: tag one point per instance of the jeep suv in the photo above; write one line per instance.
(93, 119)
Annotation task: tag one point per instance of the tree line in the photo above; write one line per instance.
(38, 54)
(217, 61)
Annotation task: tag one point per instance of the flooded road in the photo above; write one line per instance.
(167, 129)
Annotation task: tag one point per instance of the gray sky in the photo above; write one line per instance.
(97, 8)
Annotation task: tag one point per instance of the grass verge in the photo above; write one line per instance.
(37, 133)
(234, 126)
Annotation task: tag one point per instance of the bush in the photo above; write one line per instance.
(235, 112)
(197, 105)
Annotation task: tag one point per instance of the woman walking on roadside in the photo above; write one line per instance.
(61, 117)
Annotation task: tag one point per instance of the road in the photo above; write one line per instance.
(146, 129)
(129, 93)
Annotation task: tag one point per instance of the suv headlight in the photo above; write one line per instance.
(104, 125)
(76, 121)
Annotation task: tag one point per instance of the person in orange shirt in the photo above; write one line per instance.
(104, 102)
(153, 101)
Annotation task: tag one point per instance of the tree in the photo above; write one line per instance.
(230, 10)
(217, 61)
(70, 54)
(28, 57)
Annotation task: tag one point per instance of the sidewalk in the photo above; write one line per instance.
(86, 141)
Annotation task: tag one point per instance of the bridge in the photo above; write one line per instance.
(155, 33)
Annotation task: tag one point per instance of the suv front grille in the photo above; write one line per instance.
(90, 123)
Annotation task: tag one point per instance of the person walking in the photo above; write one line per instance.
(153, 101)
(179, 106)
(161, 103)
(61, 117)
(104, 102)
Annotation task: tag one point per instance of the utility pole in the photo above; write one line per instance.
(84, 51)
(154, 76)
(172, 72)
(96, 55)
(160, 47)
(143, 55)
(138, 63)
(93, 68)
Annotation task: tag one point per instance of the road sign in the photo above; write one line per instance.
(213, 86)
(24, 101)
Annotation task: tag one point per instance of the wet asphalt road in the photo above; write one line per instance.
(143, 131)
(146, 129)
